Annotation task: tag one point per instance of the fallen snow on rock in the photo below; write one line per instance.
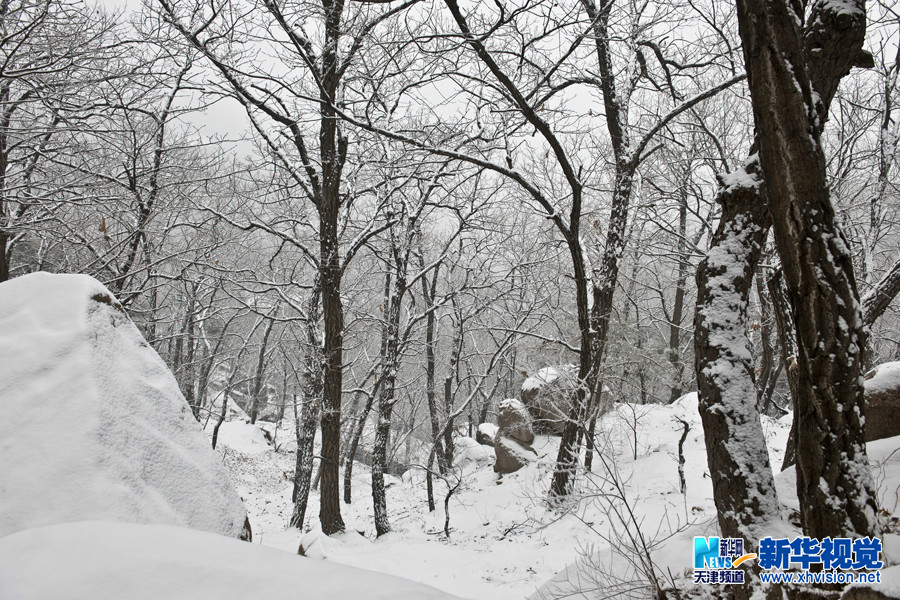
(243, 437)
(468, 451)
(884, 377)
(545, 376)
(115, 561)
(94, 425)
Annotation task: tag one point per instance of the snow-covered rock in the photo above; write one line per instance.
(468, 452)
(486, 434)
(887, 589)
(243, 437)
(548, 397)
(883, 401)
(512, 444)
(112, 561)
(94, 425)
(514, 422)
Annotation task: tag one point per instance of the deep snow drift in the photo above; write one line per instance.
(94, 560)
(94, 425)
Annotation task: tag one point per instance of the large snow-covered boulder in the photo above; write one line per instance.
(116, 561)
(94, 425)
(883, 401)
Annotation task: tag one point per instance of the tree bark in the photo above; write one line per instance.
(305, 428)
(587, 398)
(677, 316)
(743, 486)
(834, 484)
(333, 154)
(876, 301)
(259, 374)
(386, 400)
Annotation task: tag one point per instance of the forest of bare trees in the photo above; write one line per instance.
(378, 217)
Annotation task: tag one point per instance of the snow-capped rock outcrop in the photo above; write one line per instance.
(94, 425)
(512, 443)
(883, 401)
(548, 397)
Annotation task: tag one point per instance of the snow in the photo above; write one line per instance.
(884, 377)
(546, 376)
(94, 426)
(488, 429)
(540, 379)
(740, 178)
(111, 561)
(469, 452)
(843, 7)
(889, 586)
(513, 404)
(242, 437)
(505, 541)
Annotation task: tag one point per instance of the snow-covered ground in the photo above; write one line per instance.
(105, 480)
(104, 560)
(505, 541)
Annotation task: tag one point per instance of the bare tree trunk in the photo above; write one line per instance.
(386, 399)
(354, 442)
(259, 375)
(4, 256)
(429, 290)
(604, 285)
(677, 316)
(876, 301)
(784, 323)
(306, 426)
(229, 385)
(834, 484)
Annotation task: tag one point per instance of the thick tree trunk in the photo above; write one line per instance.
(834, 484)
(743, 486)
(333, 155)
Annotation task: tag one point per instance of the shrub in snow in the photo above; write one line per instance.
(883, 401)
(94, 424)
(512, 445)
